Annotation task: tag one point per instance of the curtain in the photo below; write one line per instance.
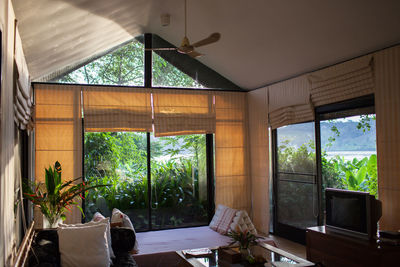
(289, 102)
(344, 81)
(58, 132)
(7, 130)
(116, 109)
(232, 181)
(180, 112)
(387, 107)
(259, 158)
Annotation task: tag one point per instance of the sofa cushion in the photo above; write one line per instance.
(100, 219)
(242, 222)
(44, 251)
(120, 219)
(222, 219)
(84, 246)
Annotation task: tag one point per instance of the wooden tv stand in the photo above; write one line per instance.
(331, 249)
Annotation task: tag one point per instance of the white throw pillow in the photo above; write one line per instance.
(243, 222)
(84, 246)
(97, 217)
(104, 221)
(222, 219)
(120, 218)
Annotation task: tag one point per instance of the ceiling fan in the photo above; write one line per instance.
(189, 49)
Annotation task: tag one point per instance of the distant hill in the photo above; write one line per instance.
(349, 139)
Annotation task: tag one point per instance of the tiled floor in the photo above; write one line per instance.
(290, 246)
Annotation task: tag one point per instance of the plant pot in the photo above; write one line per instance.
(245, 252)
(47, 224)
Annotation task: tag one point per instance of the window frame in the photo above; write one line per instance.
(209, 172)
(291, 232)
(286, 231)
(352, 104)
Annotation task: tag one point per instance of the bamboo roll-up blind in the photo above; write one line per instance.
(58, 133)
(289, 102)
(23, 102)
(113, 109)
(232, 180)
(344, 81)
(259, 158)
(387, 107)
(179, 112)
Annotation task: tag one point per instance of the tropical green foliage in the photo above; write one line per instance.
(166, 75)
(125, 66)
(55, 196)
(300, 160)
(244, 238)
(120, 160)
(360, 175)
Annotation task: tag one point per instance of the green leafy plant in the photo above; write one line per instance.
(120, 160)
(54, 197)
(245, 238)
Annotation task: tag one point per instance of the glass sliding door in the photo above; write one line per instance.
(173, 192)
(348, 151)
(178, 181)
(295, 184)
(338, 150)
(118, 160)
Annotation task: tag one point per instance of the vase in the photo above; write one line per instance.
(245, 252)
(51, 222)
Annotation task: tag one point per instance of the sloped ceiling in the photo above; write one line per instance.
(263, 41)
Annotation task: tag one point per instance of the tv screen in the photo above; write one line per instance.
(348, 210)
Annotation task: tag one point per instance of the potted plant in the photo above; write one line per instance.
(245, 240)
(54, 197)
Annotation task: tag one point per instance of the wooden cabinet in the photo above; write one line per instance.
(330, 249)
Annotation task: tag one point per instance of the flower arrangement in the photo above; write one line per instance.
(55, 197)
(245, 238)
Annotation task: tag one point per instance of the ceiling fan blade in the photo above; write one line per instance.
(194, 54)
(161, 48)
(209, 40)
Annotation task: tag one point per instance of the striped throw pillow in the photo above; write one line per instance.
(222, 219)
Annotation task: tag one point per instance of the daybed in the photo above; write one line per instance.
(157, 248)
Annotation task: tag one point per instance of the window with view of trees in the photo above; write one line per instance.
(346, 143)
(178, 178)
(179, 181)
(159, 182)
(348, 147)
(124, 66)
(297, 204)
(118, 160)
(167, 75)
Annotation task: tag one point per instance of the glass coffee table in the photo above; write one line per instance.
(271, 255)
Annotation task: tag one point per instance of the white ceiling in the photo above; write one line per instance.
(263, 41)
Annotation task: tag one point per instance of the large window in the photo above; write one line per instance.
(118, 160)
(159, 182)
(176, 184)
(123, 66)
(348, 150)
(179, 181)
(342, 155)
(167, 75)
(295, 178)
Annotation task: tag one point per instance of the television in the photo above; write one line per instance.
(352, 213)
